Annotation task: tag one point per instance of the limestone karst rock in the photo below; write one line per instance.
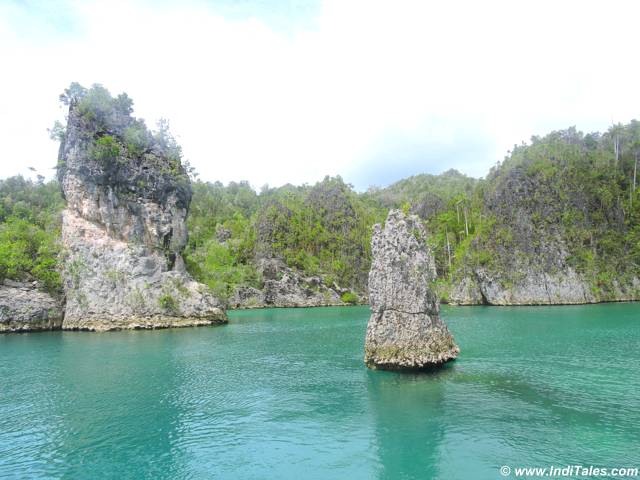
(285, 287)
(405, 330)
(531, 261)
(123, 229)
(24, 308)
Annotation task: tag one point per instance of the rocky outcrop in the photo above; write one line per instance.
(464, 292)
(285, 287)
(405, 330)
(123, 230)
(23, 308)
(537, 288)
(533, 288)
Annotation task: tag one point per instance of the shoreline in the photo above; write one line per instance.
(138, 328)
(266, 307)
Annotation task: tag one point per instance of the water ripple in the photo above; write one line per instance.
(284, 394)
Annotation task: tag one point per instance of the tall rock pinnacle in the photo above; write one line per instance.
(123, 229)
(405, 330)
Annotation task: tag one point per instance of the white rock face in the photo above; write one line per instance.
(111, 284)
(532, 288)
(405, 330)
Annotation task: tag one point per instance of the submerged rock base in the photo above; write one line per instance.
(423, 346)
(108, 324)
(405, 331)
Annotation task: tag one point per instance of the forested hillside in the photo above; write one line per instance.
(558, 217)
(29, 231)
(320, 231)
(556, 222)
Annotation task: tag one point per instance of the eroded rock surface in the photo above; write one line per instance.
(123, 230)
(23, 308)
(285, 287)
(405, 330)
(532, 287)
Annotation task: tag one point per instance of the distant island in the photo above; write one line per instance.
(556, 222)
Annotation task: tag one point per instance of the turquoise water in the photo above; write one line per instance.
(284, 394)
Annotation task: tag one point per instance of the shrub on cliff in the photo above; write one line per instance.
(349, 298)
(106, 150)
(99, 111)
(103, 118)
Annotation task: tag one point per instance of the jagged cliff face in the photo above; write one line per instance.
(405, 330)
(123, 230)
(530, 258)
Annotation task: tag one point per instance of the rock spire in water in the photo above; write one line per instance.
(123, 229)
(405, 330)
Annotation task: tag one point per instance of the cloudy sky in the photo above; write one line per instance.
(277, 91)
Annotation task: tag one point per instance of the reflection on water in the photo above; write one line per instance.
(285, 394)
(408, 427)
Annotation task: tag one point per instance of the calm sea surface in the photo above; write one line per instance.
(284, 394)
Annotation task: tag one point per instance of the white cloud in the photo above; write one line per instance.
(251, 102)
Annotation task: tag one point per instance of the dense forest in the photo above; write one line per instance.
(565, 198)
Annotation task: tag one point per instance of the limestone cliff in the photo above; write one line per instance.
(530, 255)
(123, 231)
(405, 330)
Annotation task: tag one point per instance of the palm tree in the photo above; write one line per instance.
(616, 132)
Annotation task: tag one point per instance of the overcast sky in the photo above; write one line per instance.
(289, 91)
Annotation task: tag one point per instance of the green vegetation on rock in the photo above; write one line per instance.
(566, 199)
(122, 145)
(168, 303)
(349, 298)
